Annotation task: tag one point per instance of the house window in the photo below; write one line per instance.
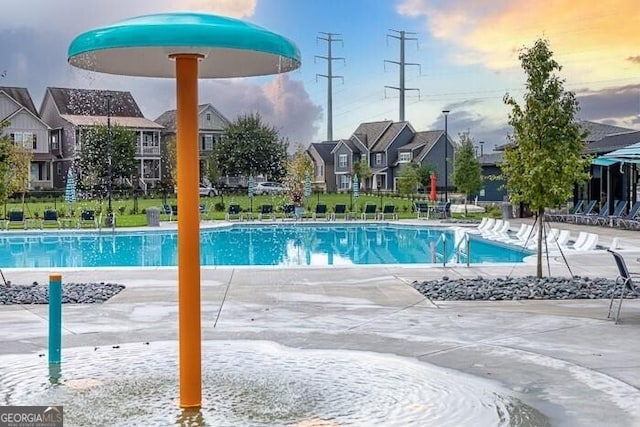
(58, 169)
(207, 142)
(24, 139)
(320, 170)
(54, 142)
(345, 182)
(208, 117)
(342, 161)
(404, 157)
(378, 159)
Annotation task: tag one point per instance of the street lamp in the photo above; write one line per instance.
(109, 219)
(481, 148)
(446, 154)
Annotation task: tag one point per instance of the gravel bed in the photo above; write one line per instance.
(518, 288)
(72, 293)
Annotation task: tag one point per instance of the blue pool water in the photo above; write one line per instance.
(252, 245)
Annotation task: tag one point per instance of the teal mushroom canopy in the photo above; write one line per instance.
(142, 46)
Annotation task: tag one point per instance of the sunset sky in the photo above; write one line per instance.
(467, 51)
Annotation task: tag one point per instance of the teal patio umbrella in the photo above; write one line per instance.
(355, 190)
(307, 186)
(250, 188)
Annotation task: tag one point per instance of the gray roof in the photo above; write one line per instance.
(92, 102)
(372, 131)
(168, 118)
(387, 137)
(22, 97)
(598, 131)
(324, 150)
(613, 142)
(491, 159)
(428, 138)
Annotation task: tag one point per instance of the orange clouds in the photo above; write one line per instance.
(595, 41)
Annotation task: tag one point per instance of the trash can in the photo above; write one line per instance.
(153, 217)
(507, 210)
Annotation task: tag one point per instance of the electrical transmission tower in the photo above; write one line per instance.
(402, 36)
(330, 39)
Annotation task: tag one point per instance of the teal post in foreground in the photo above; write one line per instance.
(55, 317)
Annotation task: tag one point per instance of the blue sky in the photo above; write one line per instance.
(467, 51)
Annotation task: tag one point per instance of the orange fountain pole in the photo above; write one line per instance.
(188, 231)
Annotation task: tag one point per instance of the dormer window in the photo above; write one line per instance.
(208, 117)
(404, 157)
(378, 159)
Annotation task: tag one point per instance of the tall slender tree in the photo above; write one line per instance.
(544, 159)
(467, 174)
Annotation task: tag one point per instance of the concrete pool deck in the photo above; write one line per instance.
(562, 357)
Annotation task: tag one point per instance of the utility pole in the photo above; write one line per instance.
(330, 39)
(402, 36)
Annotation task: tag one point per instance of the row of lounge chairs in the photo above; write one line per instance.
(527, 236)
(16, 219)
(321, 212)
(585, 213)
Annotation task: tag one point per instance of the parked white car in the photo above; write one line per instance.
(208, 191)
(269, 188)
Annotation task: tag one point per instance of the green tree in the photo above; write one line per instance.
(250, 147)
(170, 160)
(467, 174)
(92, 164)
(211, 168)
(15, 161)
(424, 174)
(362, 170)
(408, 179)
(299, 168)
(544, 160)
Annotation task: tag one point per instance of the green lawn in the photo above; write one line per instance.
(215, 207)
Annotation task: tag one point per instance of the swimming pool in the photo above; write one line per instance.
(253, 245)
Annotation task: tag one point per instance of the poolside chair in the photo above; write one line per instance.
(499, 231)
(321, 211)
(16, 217)
(388, 210)
(441, 210)
(369, 209)
(609, 219)
(575, 218)
(234, 211)
(50, 217)
(88, 217)
(289, 211)
(340, 210)
(172, 211)
(629, 220)
(266, 211)
(624, 282)
(422, 209)
(562, 217)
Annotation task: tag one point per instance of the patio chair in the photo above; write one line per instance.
(289, 211)
(50, 217)
(389, 210)
(421, 209)
(562, 217)
(172, 211)
(624, 282)
(340, 210)
(266, 211)
(609, 219)
(16, 217)
(369, 210)
(233, 211)
(441, 210)
(585, 214)
(88, 217)
(321, 211)
(629, 220)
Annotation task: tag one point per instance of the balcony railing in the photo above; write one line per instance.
(149, 150)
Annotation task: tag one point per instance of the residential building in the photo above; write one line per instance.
(69, 112)
(25, 127)
(211, 124)
(323, 161)
(388, 147)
